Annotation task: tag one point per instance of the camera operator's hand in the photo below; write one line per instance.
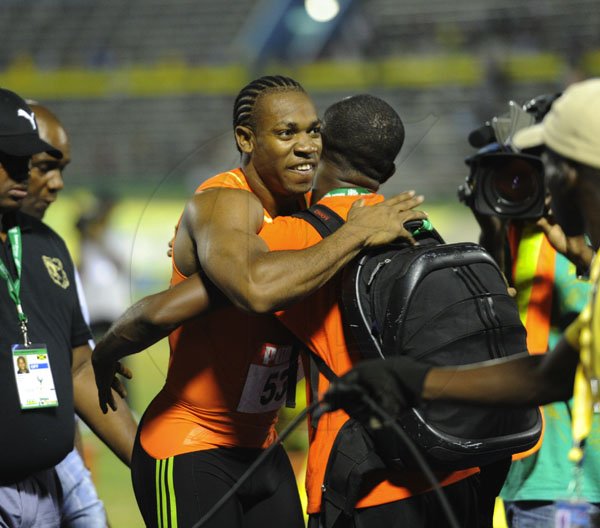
(493, 236)
(575, 248)
(492, 232)
(395, 384)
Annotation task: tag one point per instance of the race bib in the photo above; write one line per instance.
(35, 383)
(267, 381)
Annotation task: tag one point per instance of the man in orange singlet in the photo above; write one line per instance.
(362, 137)
(216, 412)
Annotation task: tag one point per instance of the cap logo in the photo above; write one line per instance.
(29, 117)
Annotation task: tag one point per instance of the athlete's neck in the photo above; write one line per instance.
(330, 176)
(276, 205)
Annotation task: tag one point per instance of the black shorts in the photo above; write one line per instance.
(178, 491)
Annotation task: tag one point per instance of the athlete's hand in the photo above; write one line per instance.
(170, 243)
(107, 372)
(384, 222)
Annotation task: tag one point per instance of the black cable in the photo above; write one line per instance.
(419, 459)
(261, 458)
(326, 407)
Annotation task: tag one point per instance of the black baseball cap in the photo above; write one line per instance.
(19, 134)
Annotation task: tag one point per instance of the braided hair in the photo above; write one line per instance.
(245, 102)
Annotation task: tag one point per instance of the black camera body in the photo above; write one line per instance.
(505, 184)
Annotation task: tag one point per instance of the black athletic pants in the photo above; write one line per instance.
(178, 491)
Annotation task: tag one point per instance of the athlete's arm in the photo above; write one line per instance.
(224, 225)
(144, 323)
(117, 430)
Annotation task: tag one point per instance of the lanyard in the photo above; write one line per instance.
(14, 286)
(348, 191)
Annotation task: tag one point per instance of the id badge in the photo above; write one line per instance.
(35, 383)
(572, 514)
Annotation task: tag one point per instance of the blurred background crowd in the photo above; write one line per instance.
(145, 89)
(145, 86)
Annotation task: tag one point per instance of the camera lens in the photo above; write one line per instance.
(515, 182)
(509, 185)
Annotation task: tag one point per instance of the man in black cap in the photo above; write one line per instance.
(41, 320)
(80, 505)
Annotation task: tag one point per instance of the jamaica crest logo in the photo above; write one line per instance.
(56, 271)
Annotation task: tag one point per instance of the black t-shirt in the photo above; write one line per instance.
(36, 439)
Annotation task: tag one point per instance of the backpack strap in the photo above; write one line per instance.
(325, 221)
(322, 218)
(322, 366)
(290, 399)
(352, 455)
(317, 365)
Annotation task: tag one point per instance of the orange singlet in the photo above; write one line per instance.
(317, 321)
(226, 377)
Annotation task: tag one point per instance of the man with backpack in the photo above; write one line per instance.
(570, 137)
(362, 136)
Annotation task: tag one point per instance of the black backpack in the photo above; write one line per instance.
(443, 304)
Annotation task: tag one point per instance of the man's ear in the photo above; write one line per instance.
(244, 138)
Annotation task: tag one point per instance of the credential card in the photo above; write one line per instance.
(35, 383)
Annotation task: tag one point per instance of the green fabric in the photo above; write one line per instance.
(171, 491)
(546, 475)
(14, 285)
(347, 191)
